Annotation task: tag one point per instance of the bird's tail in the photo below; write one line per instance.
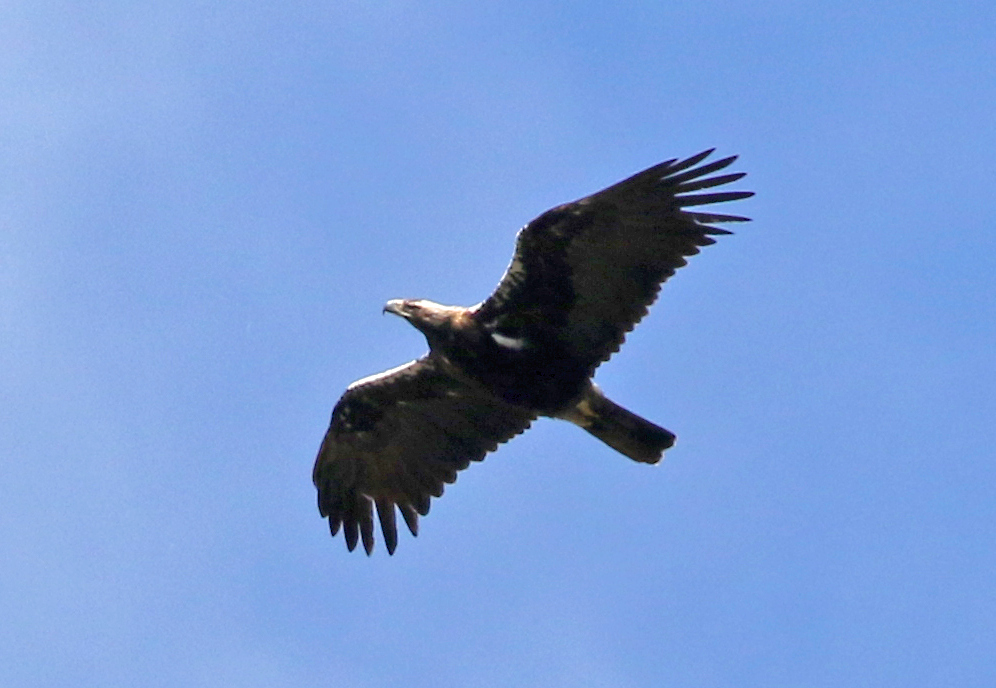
(623, 430)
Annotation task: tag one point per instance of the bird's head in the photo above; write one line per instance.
(435, 321)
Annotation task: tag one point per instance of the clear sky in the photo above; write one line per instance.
(204, 206)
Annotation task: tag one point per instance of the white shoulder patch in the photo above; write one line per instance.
(516, 343)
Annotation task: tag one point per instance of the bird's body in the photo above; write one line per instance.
(583, 275)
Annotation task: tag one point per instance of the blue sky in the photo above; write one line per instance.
(204, 206)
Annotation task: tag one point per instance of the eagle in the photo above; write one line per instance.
(582, 276)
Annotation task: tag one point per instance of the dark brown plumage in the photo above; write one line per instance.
(582, 276)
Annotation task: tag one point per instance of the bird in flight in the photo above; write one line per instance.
(582, 276)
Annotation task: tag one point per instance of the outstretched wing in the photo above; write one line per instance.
(584, 273)
(396, 438)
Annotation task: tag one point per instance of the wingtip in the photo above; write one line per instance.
(714, 218)
(388, 524)
(710, 198)
(366, 533)
(410, 516)
(351, 531)
(689, 162)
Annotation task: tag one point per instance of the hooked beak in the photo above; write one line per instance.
(397, 307)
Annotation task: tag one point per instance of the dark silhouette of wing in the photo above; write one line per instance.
(396, 438)
(584, 273)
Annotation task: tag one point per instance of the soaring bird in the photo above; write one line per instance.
(582, 276)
